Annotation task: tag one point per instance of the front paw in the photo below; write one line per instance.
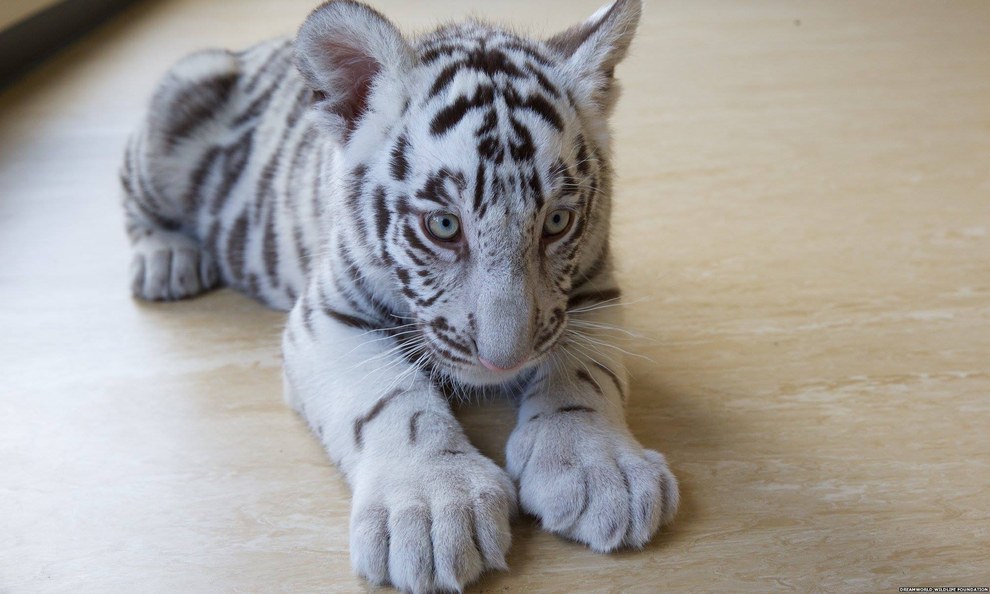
(589, 481)
(432, 524)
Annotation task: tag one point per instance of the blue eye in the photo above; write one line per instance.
(556, 222)
(443, 226)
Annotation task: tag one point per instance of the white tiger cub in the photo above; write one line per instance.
(435, 212)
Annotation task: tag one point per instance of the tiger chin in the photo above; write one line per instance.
(433, 212)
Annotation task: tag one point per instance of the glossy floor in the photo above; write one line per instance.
(804, 236)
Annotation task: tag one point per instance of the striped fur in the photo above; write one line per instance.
(308, 174)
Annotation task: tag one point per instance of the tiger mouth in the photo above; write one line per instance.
(475, 372)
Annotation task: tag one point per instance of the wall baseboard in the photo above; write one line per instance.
(27, 43)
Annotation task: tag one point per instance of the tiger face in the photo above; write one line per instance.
(476, 173)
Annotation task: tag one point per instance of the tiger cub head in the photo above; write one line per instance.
(475, 164)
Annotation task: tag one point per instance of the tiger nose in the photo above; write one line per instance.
(504, 336)
(504, 356)
(493, 367)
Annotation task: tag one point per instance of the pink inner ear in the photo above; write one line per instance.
(356, 72)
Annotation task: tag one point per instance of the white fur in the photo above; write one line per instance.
(429, 511)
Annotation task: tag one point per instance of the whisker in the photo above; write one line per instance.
(605, 303)
(588, 339)
(610, 328)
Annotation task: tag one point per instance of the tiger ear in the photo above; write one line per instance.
(593, 48)
(344, 51)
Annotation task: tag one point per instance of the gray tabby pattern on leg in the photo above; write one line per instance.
(434, 214)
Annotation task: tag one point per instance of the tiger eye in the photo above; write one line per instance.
(444, 226)
(557, 222)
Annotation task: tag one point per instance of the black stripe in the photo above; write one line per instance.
(253, 288)
(304, 99)
(479, 186)
(355, 289)
(545, 110)
(236, 245)
(586, 377)
(382, 311)
(383, 216)
(301, 249)
(345, 292)
(569, 185)
(416, 260)
(403, 275)
(193, 195)
(575, 408)
(255, 108)
(444, 78)
(449, 356)
(452, 114)
(489, 125)
(128, 165)
(265, 191)
(583, 166)
(594, 270)
(351, 321)
(594, 297)
(147, 194)
(211, 243)
(491, 149)
(490, 62)
(553, 329)
(525, 149)
(413, 428)
(307, 312)
(614, 378)
(302, 156)
(356, 187)
(400, 165)
(536, 188)
(317, 193)
(432, 299)
(269, 249)
(544, 82)
(376, 410)
(235, 158)
(433, 53)
(195, 104)
(435, 188)
(530, 52)
(412, 238)
(452, 343)
(274, 59)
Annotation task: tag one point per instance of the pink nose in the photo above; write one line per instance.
(492, 367)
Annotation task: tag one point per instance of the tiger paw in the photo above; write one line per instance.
(590, 482)
(167, 266)
(434, 526)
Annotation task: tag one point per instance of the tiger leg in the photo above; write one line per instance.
(578, 466)
(161, 213)
(430, 512)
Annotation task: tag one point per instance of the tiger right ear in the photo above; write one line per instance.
(345, 50)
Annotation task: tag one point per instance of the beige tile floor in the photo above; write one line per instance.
(804, 234)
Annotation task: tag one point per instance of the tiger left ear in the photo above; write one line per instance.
(593, 48)
(345, 50)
